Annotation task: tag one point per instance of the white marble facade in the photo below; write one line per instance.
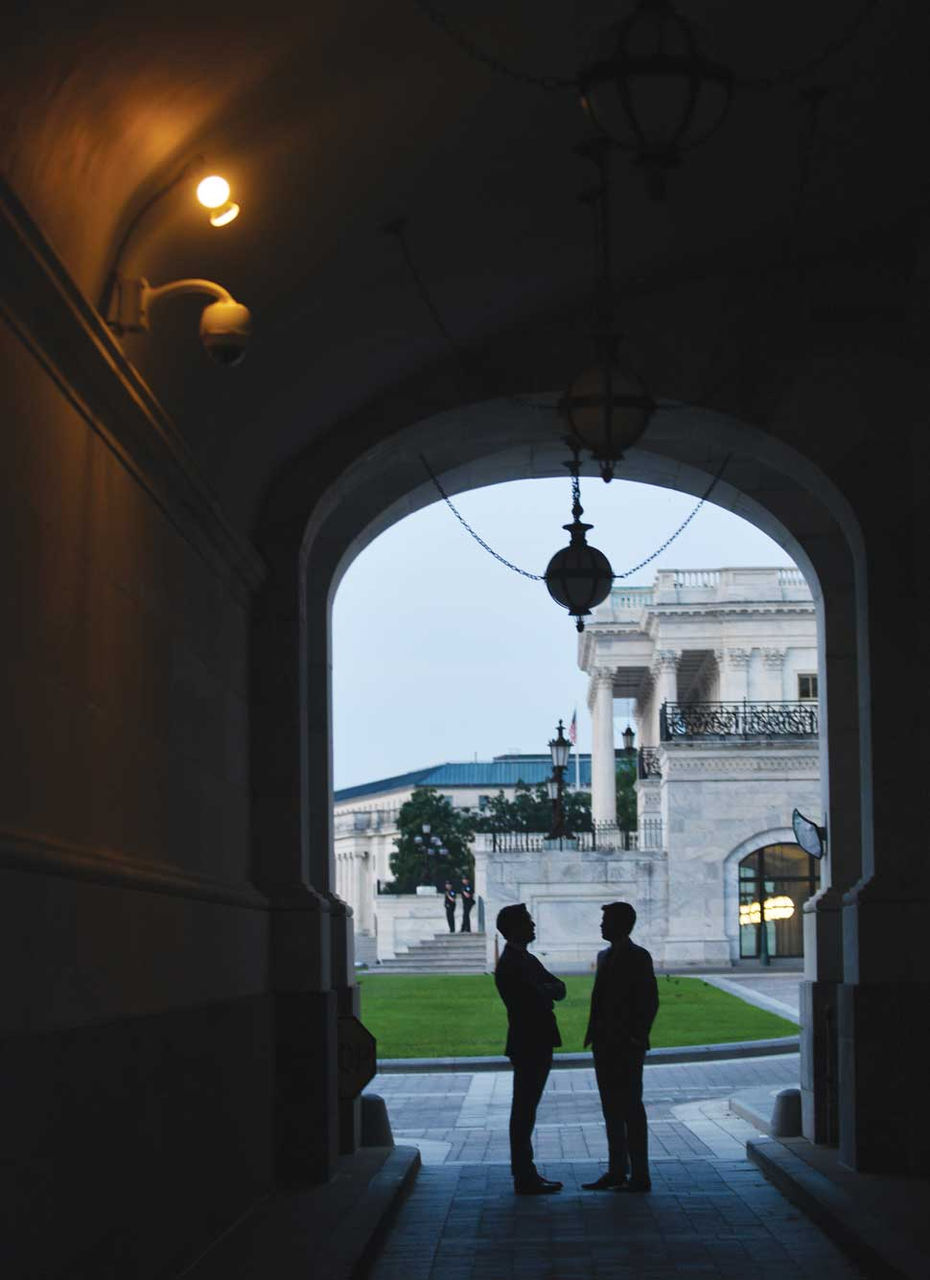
(732, 656)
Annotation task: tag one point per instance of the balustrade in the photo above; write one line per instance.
(738, 720)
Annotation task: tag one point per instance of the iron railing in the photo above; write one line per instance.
(603, 837)
(738, 720)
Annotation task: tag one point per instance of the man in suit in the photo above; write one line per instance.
(449, 902)
(624, 1002)
(528, 991)
(468, 901)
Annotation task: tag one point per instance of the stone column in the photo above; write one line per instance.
(734, 674)
(603, 760)
(773, 663)
(665, 682)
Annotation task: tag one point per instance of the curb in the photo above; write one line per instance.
(883, 1254)
(565, 1061)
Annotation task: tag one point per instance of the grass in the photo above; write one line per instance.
(461, 1015)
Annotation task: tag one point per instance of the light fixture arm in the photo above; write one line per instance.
(134, 296)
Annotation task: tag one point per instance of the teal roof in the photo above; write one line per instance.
(502, 772)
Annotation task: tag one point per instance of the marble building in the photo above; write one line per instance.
(717, 670)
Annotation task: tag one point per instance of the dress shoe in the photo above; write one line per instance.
(634, 1185)
(536, 1187)
(606, 1182)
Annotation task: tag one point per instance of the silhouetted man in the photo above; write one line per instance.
(468, 901)
(450, 906)
(624, 1002)
(528, 990)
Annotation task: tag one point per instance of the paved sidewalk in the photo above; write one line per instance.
(711, 1212)
(456, 1117)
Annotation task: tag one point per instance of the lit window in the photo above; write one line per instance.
(807, 685)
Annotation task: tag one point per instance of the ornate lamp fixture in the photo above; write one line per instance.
(578, 577)
(607, 408)
(560, 748)
(656, 95)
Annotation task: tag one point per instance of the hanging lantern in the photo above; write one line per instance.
(607, 410)
(656, 95)
(579, 577)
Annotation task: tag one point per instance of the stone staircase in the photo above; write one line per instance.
(366, 948)
(444, 953)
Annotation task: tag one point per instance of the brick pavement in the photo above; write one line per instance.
(710, 1214)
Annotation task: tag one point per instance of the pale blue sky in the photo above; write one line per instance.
(440, 653)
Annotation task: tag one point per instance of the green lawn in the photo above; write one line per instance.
(460, 1015)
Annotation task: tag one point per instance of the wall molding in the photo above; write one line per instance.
(55, 322)
(41, 855)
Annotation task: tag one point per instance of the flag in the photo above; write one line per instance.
(573, 728)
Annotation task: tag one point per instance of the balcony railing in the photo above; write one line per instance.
(605, 837)
(737, 720)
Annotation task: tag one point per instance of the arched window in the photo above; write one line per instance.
(774, 881)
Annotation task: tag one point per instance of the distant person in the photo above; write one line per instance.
(468, 901)
(624, 1002)
(528, 991)
(450, 906)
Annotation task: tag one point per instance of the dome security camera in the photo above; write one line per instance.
(225, 328)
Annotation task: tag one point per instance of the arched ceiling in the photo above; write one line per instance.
(331, 119)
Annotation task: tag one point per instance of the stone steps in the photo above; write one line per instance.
(444, 953)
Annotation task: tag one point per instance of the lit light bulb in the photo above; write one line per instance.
(213, 191)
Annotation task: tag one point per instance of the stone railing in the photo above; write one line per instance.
(348, 821)
(679, 721)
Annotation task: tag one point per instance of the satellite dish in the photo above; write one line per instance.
(810, 837)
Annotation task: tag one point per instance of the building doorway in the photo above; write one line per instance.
(774, 883)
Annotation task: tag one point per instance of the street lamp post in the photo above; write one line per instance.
(428, 844)
(560, 749)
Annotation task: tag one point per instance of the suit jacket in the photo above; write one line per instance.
(624, 1001)
(528, 991)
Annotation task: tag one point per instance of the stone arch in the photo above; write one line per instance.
(328, 505)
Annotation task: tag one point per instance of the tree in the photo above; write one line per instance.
(411, 864)
(531, 810)
(627, 819)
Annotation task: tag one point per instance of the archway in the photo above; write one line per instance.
(325, 510)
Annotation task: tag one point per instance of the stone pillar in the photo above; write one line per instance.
(665, 682)
(603, 760)
(773, 664)
(734, 674)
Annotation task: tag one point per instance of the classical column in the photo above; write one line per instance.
(734, 674)
(773, 662)
(665, 682)
(603, 760)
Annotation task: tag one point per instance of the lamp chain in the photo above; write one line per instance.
(577, 511)
(779, 80)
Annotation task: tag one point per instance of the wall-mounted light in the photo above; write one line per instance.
(225, 325)
(213, 194)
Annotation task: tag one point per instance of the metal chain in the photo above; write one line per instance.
(468, 47)
(576, 502)
(535, 577)
(681, 528)
(837, 45)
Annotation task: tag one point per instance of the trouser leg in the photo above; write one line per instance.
(529, 1080)
(637, 1130)
(466, 922)
(450, 917)
(610, 1086)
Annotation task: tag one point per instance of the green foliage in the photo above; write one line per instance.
(461, 1015)
(411, 865)
(531, 810)
(626, 793)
